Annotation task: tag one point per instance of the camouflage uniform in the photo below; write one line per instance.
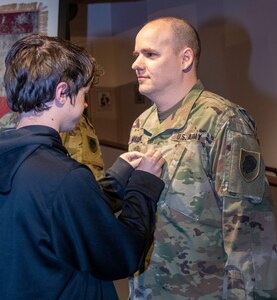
(215, 234)
(8, 121)
(83, 145)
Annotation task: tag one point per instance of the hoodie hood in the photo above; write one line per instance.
(17, 144)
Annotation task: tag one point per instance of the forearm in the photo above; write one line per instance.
(114, 183)
(135, 214)
(142, 186)
(87, 235)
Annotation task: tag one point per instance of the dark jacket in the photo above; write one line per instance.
(59, 239)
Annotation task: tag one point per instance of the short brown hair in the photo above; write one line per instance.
(185, 35)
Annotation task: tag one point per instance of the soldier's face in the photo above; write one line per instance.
(158, 68)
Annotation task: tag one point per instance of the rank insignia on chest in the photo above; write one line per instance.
(249, 164)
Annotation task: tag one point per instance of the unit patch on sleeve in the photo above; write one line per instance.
(249, 164)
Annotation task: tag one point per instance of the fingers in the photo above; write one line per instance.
(130, 156)
(152, 162)
(154, 153)
(135, 163)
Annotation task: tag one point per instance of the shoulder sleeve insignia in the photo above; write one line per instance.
(249, 164)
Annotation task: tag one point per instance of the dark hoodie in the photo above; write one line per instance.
(58, 236)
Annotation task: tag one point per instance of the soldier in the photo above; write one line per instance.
(83, 145)
(215, 234)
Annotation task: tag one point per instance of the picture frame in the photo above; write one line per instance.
(105, 102)
(101, 103)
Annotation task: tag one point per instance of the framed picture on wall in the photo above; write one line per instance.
(101, 102)
(18, 19)
(104, 102)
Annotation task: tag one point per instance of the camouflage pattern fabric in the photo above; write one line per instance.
(215, 235)
(83, 145)
(8, 121)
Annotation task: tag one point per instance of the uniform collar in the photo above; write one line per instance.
(152, 126)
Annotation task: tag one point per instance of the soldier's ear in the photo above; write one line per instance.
(187, 57)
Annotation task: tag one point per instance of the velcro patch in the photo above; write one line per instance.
(249, 164)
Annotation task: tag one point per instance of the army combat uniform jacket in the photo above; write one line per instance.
(83, 145)
(215, 234)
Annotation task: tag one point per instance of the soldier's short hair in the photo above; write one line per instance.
(184, 34)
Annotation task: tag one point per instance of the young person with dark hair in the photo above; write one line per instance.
(59, 237)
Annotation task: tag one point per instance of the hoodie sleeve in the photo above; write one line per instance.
(115, 182)
(88, 236)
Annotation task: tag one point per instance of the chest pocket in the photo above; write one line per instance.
(188, 188)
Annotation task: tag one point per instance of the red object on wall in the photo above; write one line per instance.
(3, 106)
(18, 22)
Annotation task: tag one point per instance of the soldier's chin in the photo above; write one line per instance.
(143, 91)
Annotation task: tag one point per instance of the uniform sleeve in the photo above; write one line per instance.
(88, 236)
(249, 238)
